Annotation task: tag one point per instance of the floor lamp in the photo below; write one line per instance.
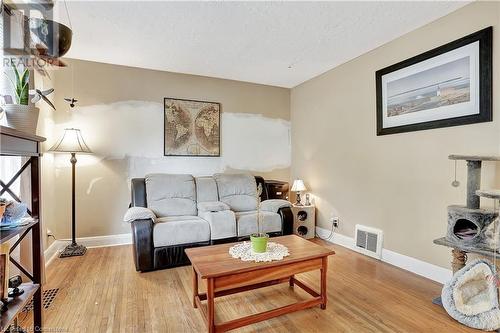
(72, 142)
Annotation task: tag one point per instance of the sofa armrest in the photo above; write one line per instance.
(274, 205)
(138, 213)
(212, 206)
(142, 244)
(286, 220)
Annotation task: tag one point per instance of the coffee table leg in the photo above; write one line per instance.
(324, 269)
(290, 282)
(210, 305)
(195, 287)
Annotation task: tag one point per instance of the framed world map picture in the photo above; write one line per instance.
(191, 128)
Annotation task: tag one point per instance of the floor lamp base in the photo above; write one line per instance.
(73, 250)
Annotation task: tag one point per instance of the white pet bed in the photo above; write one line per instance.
(471, 297)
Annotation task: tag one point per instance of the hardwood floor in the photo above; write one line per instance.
(102, 292)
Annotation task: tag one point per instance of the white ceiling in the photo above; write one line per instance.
(246, 41)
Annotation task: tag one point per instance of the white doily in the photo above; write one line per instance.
(244, 252)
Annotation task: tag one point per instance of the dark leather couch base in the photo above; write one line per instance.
(223, 240)
(173, 256)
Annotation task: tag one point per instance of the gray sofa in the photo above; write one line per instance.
(170, 213)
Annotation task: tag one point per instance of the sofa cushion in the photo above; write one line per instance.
(246, 222)
(177, 232)
(171, 195)
(206, 189)
(239, 191)
(178, 218)
(212, 206)
(222, 224)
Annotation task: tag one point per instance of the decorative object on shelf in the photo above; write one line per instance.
(14, 283)
(471, 297)
(448, 86)
(3, 206)
(304, 221)
(72, 142)
(191, 128)
(298, 186)
(14, 213)
(308, 202)
(21, 115)
(245, 252)
(260, 239)
(42, 95)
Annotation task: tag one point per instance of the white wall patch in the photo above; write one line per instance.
(133, 131)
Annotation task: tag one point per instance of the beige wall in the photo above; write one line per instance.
(120, 113)
(399, 183)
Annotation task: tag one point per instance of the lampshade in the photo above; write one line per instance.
(71, 142)
(298, 185)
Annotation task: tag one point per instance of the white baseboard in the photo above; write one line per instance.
(90, 242)
(425, 269)
(336, 238)
(51, 252)
(419, 267)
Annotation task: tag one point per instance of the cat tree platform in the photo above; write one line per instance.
(490, 194)
(459, 252)
(457, 157)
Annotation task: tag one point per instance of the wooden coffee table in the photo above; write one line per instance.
(225, 275)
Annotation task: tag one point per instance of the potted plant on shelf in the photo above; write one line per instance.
(20, 114)
(259, 240)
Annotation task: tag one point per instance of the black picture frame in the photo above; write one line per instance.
(485, 38)
(165, 127)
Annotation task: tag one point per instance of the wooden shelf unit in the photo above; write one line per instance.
(17, 143)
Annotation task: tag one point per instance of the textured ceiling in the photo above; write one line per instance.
(275, 43)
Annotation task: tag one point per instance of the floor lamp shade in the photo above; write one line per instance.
(72, 142)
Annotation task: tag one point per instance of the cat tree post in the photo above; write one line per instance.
(459, 260)
(473, 183)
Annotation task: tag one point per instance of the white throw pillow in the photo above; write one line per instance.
(138, 213)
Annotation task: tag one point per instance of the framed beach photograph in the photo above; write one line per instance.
(448, 86)
(191, 128)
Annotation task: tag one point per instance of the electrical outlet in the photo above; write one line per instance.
(335, 221)
(49, 233)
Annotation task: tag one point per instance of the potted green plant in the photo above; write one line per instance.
(21, 115)
(259, 240)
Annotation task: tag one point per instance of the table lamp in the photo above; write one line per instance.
(298, 186)
(72, 142)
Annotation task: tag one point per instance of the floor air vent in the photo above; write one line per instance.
(369, 241)
(48, 297)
